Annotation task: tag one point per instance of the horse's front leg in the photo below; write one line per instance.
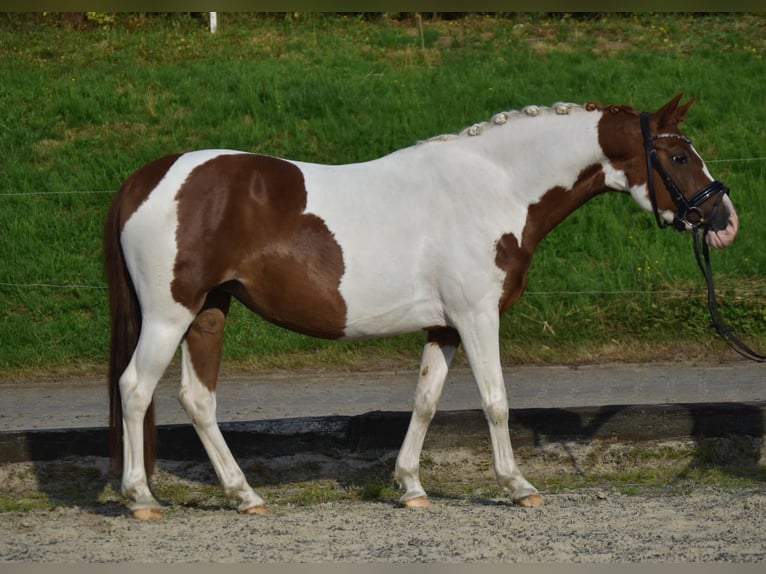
(437, 357)
(480, 341)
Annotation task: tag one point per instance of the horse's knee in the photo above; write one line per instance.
(496, 412)
(424, 409)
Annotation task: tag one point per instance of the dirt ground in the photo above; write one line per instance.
(604, 502)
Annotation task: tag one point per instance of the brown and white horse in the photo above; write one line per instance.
(435, 237)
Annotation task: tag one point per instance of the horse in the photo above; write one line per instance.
(435, 237)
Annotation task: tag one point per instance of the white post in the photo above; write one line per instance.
(213, 22)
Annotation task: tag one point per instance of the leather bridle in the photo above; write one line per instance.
(688, 211)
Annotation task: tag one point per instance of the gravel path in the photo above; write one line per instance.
(706, 525)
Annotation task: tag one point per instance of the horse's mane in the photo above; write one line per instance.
(502, 118)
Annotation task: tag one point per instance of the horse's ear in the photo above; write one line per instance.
(671, 115)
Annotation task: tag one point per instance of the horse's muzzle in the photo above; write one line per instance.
(723, 223)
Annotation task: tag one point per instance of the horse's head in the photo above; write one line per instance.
(666, 175)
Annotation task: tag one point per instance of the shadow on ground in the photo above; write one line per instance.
(71, 468)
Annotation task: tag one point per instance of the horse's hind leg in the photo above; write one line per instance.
(156, 345)
(201, 358)
(437, 357)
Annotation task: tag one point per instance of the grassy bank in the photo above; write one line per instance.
(82, 106)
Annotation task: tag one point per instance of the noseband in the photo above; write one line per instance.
(689, 212)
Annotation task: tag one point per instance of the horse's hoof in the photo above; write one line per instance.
(529, 501)
(259, 510)
(419, 502)
(147, 514)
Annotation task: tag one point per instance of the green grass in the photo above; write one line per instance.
(81, 108)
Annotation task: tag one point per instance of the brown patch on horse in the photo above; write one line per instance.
(138, 186)
(511, 258)
(552, 208)
(242, 226)
(620, 137)
(204, 339)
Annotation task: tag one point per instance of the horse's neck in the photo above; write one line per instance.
(549, 166)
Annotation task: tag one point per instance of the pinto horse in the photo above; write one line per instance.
(435, 237)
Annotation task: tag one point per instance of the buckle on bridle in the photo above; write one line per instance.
(714, 188)
(682, 221)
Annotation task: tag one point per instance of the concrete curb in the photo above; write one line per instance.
(386, 429)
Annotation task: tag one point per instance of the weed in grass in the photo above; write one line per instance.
(629, 490)
(378, 489)
(28, 503)
(312, 493)
(192, 495)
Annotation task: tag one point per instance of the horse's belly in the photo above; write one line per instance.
(394, 318)
(292, 296)
(388, 288)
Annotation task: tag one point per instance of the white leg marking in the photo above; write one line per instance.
(433, 371)
(200, 404)
(481, 344)
(155, 349)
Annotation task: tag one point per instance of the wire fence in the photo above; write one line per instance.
(526, 293)
(39, 193)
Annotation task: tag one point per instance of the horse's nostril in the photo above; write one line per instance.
(719, 219)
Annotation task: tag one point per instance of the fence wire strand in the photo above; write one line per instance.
(34, 193)
(661, 292)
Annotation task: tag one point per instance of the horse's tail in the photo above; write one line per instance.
(125, 316)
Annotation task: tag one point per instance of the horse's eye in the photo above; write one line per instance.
(680, 159)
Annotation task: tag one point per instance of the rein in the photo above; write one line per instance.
(702, 253)
(689, 217)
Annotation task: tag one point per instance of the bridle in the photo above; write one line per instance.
(689, 216)
(688, 213)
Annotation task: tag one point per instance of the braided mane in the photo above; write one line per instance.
(502, 118)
